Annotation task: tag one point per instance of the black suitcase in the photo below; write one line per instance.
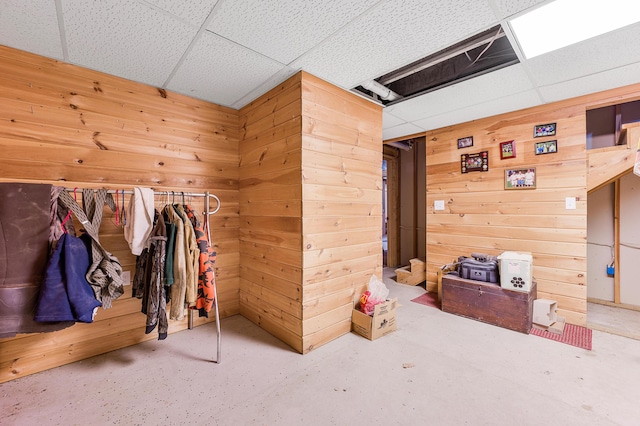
(485, 269)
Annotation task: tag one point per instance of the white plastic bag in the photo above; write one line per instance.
(378, 290)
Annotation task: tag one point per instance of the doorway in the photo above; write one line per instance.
(404, 202)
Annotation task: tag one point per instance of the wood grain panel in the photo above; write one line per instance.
(75, 127)
(481, 216)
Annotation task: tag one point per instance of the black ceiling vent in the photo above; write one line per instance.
(477, 55)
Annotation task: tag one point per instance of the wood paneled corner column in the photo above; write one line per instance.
(310, 208)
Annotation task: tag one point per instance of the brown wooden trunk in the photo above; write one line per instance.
(488, 302)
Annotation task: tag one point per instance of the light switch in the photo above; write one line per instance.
(570, 203)
(438, 205)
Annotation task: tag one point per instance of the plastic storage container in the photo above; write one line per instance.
(516, 269)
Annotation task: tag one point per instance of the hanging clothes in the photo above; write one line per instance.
(139, 222)
(105, 271)
(171, 244)
(206, 260)
(154, 299)
(66, 295)
(178, 289)
(192, 253)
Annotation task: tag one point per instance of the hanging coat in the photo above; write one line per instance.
(66, 295)
(206, 274)
(178, 289)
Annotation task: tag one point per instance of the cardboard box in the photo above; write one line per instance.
(382, 322)
(544, 312)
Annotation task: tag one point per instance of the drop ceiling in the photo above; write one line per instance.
(229, 52)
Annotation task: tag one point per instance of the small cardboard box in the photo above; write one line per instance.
(544, 312)
(382, 322)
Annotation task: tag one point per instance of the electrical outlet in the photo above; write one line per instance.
(126, 277)
(438, 205)
(570, 203)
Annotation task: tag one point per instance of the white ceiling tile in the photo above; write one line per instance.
(605, 80)
(390, 120)
(269, 84)
(486, 109)
(507, 8)
(285, 29)
(405, 129)
(611, 50)
(31, 26)
(125, 38)
(193, 11)
(205, 76)
(494, 85)
(411, 29)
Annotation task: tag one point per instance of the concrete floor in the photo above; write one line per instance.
(436, 369)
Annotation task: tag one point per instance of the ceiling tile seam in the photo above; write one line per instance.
(494, 8)
(166, 13)
(189, 48)
(506, 27)
(61, 30)
(539, 88)
(250, 95)
(475, 105)
(338, 31)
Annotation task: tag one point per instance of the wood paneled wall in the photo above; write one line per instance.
(271, 212)
(310, 209)
(481, 216)
(73, 127)
(342, 206)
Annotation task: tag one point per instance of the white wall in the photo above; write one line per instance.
(630, 239)
(600, 236)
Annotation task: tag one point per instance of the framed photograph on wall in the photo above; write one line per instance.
(478, 162)
(547, 147)
(507, 150)
(520, 178)
(465, 142)
(544, 130)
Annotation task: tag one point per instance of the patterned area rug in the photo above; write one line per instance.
(574, 335)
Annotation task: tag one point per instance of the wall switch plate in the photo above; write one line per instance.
(570, 203)
(438, 205)
(126, 277)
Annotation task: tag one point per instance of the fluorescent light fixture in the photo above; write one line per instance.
(565, 22)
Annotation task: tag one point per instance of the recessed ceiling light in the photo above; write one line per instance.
(564, 22)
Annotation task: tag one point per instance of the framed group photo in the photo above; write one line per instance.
(507, 150)
(542, 130)
(465, 142)
(547, 147)
(520, 178)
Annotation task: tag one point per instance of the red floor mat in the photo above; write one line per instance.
(574, 335)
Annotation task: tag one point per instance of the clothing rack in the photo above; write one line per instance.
(207, 200)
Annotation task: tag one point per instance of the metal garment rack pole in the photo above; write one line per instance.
(207, 198)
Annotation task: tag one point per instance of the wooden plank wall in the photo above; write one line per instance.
(271, 212)
(342, 206)
(481, 216)
(310, 209)
(73, 127)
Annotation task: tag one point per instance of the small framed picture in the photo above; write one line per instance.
(478, 162)
(465, 142)
(507, 150)
(544, 130)
(520, 178)
(547, 147)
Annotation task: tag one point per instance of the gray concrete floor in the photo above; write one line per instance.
(436, 369)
